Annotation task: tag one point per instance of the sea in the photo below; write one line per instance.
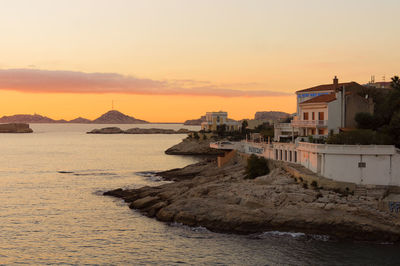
(52, 210)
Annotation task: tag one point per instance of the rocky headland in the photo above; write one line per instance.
(117, 130)
(15, 128)
(190, 146)
(223, 200)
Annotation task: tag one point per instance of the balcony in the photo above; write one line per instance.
(310, 123)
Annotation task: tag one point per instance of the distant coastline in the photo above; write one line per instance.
(110, 117)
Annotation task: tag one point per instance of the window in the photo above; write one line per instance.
(295, 156)
(321, 132)
(321, 116)
(305, 116)
(313, 116)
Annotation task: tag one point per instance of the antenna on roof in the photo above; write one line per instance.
(372, 79)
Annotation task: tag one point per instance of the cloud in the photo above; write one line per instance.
(49, 81)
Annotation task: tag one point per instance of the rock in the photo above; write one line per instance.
(193, 147)
(15, 128)
(107, 130)
(144, 202)
(204, 195)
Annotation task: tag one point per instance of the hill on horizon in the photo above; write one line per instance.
(111, 117)
(116, 117)
(270, 115)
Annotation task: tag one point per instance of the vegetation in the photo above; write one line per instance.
(245, 124)
(359, 137)
(385, 122)
(265, 129)
(314, 184)
(256, 166)
(196, 136)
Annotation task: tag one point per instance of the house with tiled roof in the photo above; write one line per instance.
(328, 108)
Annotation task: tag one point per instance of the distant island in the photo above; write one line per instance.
(270, 115)
(195, 122)
(111, 117)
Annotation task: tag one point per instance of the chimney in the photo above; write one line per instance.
(336, 83)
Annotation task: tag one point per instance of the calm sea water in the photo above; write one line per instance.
(48, 217)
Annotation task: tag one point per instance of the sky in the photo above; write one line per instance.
(172, 60)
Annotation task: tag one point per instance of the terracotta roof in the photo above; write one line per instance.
(327, 87)
(326, 98)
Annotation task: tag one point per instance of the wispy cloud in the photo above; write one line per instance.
(49, 81)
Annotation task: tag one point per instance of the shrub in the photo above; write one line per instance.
(305, 185)
(256, 166)
(301, 179)
(365, 120)
(314, 184)
(359, 137)
(196, 136)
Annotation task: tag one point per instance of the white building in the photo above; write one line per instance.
(358, 164)
(216, 119)
(320, 110)
(329, 108)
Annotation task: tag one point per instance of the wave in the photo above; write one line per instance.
(150, 175)
(296, 235)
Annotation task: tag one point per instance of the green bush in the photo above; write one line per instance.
(256, 166)
(365, 121)
(196, 136)
(314, 184)
(305, 185)
(359, 137)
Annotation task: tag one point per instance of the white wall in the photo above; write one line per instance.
(334, 121)
(339, 162)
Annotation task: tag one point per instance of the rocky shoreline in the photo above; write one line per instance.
(193, 147)
(223, 200)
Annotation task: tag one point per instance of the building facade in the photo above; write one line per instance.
(329, 108)
(214, 120)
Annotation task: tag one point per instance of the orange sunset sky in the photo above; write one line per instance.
(172, 60)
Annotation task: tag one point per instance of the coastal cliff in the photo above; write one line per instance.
(15, 128)
(223, 200)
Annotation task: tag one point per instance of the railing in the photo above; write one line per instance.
(223, 145)
(310, 123)
(286, 126)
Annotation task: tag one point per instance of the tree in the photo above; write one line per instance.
(245, 124)
(394, 128)
(365, 121)
(256, 166)
(221, 130)
(395, 83)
